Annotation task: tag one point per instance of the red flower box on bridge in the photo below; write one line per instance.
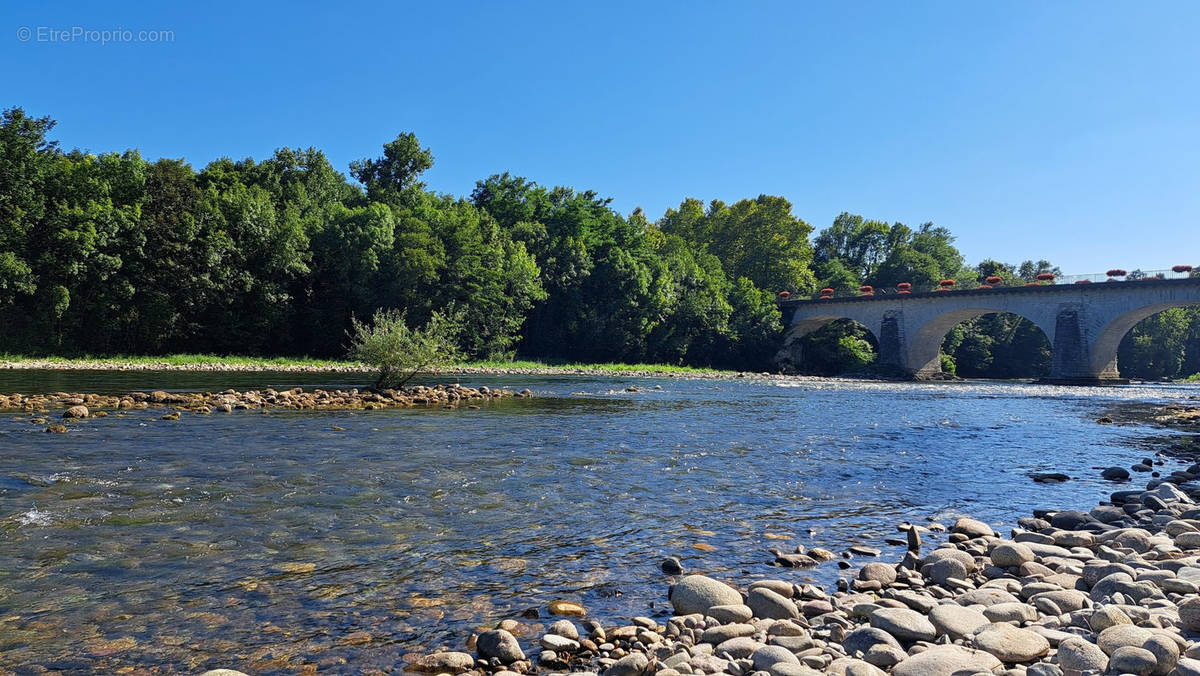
(994, 280)
(1181, 268)
(1045, 277)
(1116, 272)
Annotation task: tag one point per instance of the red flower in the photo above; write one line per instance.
(1045, 276)
(994, 280)
(1116, 272)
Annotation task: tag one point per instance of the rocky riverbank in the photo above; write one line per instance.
(1178, 415)
(85, 405)
(1113, 590)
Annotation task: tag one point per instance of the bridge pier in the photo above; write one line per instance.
(1075, 345)
(893, 342)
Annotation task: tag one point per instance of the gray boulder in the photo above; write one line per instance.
(739, 648)
(731, 614)
(768, 656)
(1122, 635)
(1131, 660)
(882, 573)
(500, 644)
(1078, 654)
(698, 593)
(633, 664)
(1010, 644)
(1165, 651)
(972, 528)
(946, 660)
(904, 624)
(863, 639)
(1189, 613)
(767, 604)
(988, 596)
(1011, 554)
(445, 662)
(957, 621)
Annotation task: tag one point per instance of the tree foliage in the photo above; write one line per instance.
(110, 253)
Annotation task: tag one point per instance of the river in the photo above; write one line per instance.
(266, 542)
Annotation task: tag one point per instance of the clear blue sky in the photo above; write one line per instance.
(1060, 130)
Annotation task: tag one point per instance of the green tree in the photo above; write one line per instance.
(757, 239)
(755, 327)
(396, 175)
(833, 274)
(907, 264)
(27, 158)
(1029, 270)
(857, 244)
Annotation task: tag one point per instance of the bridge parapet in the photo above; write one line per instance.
(1176, 273)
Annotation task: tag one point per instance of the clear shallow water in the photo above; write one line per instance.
(266, 542)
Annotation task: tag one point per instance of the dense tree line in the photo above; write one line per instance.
(112, 254)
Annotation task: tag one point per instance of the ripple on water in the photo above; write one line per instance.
(35, 517)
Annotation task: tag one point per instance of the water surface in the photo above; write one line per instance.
(267, 542)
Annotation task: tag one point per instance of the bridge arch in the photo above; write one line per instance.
(924, 348)
(1108, 339)
(796, 355)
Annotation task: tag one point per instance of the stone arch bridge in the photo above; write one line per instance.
(1083, 322)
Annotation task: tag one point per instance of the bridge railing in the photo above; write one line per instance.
(1179, 272)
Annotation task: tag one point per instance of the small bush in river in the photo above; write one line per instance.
(400, 351)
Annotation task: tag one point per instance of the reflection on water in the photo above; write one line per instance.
(266, 542)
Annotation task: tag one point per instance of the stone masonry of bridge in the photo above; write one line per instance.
(1083, 322)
